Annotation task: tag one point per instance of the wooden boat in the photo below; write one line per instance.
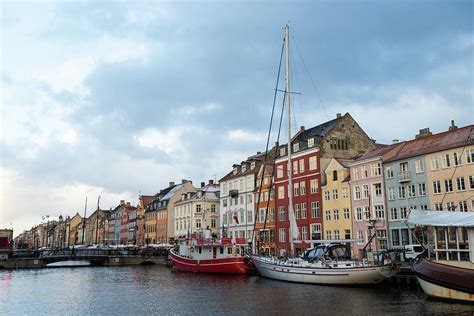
(449, 274)
(210, 256)
(444, 280)
(325, 264)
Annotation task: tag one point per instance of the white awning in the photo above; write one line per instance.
(441, 218)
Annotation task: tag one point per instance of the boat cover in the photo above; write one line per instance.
(441, 218)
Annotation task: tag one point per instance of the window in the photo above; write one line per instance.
(336, 215)
(389, 172)
(403, 212)
(297, 211)
(436, 186)
(357, 193)
(280, 171)
(345, 193)
(450, 206)
(438, 206)
(296, 147)
(391, 193)
(334, 194)
(295, 167)
(249, 198)
(328, 215)
(281, 192)
(304, 233)
(356, 174)
(375, 169)
(282, 151)
(198, 223)
(302, 188)
(310, 142)
(328, 234)
(282, 234)
(366, 191)
(379, 211)
(366, 212)
(241, 199)
(249, 216)
(272, 214)
(365, 174)
(461, 186)
(198, 208)
(457, 159)
(303, 211)
(395, 238)
(446, 162)
(401, 192)
(434, 163)
(470, 155)
(213, 208)
(213, 223)
(296, 189)
(411, 190)
(463, 206)
(448, 185)
(393, 213)
(358, 213)
(347, 234)
(281, 213)
(313, 186)
(313, 164)
(378, 189)
(224, 202)
(316, 230)
(301, 165)
(314, 209)
(360, 236)
(419, 166)
(471, 182)
(346, 213)
(326, 195)
(421, 189)
(424, 207)
(334, 175)
(336, 234)
(405, 239)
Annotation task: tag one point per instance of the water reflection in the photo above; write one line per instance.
(157, 290)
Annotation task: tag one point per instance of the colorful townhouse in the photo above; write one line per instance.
(368, 199)
(265, 205)
(450, 170)
(337, 214)
(312, 151)
(72, 229)
(237, 190)
(96, 231)
(198, 211)
(159, 214)
(143, 201)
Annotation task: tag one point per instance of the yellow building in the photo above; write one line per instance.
(450, 170)
(72, 232)
(337, 214)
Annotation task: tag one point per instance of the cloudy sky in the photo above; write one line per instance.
(117, 98)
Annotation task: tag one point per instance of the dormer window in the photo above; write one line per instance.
(311, 142)
(244, 168)
(252, 165)
(296, 147)
(282, 151)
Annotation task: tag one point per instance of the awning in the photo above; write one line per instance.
(441, 218)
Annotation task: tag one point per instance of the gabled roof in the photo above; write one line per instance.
(383, 151)
(258, 159)
(434, 143)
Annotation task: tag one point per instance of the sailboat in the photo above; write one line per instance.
(327, 263)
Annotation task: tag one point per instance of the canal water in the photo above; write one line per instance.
(141, 290)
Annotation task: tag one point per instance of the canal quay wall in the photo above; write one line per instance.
(38, 263)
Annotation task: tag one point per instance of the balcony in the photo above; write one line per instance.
(404, 176)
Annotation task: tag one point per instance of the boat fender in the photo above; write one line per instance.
(191, 249)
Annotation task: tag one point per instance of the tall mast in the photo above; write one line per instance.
(290, 167)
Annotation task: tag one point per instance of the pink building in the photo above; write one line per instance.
(369, 207)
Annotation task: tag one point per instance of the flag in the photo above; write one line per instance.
(236, 218)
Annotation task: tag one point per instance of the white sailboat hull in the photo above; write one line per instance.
(323, 275)
(438, 291)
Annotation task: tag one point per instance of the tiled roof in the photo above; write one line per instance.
(258, 159)
(438, 142)
(384, 151)
(146, 199)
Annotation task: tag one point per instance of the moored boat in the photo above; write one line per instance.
(210, 256)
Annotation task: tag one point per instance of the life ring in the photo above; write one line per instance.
(191, 249)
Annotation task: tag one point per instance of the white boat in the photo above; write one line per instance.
(325, 264)
(449, 274)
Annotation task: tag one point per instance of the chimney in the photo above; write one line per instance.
(203, 184)
(301, 128)
(395, 141)
(128, 203)
(452, 127)
(171, 184)
(259, 152)
(211, 181)
(122, 202)
(423, 133)
(338, 115)
(183, 181)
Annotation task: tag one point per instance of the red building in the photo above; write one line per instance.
(123, 214)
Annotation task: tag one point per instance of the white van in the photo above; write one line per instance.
(410, 252)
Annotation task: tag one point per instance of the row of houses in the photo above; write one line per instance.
(345, 186)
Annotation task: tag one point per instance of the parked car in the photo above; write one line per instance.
(410, 252)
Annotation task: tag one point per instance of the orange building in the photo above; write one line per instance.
(265, 204)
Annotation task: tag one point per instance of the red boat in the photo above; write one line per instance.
(210, 256)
